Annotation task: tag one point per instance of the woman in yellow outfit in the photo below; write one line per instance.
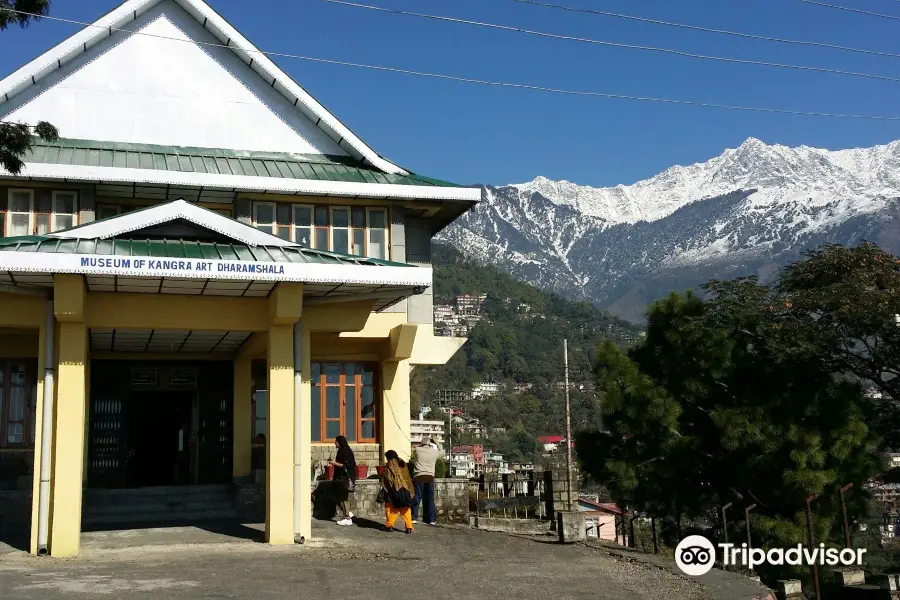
(399, 492)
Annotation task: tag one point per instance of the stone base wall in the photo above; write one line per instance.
(365, 454)
(451, 498)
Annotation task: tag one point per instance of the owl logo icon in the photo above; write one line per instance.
(695, 555)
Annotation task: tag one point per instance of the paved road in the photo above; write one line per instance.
(341, 563)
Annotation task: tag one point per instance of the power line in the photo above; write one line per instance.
(501, 84)
(852, 9)
(741, 34)
(616, 44)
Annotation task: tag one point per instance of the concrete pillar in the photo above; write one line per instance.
(302, 433)
(38, 429)
(280, 437)
(394, 416)
(68, 463)
(69, 415)
(243, 419)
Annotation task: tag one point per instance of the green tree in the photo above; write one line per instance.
(16, 139)
(723, 402)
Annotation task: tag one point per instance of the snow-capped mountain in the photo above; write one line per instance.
(746, 211)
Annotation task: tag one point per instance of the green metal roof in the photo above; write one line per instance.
(167, 248)
(282, 165)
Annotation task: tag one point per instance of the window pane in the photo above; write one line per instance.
(265, 214)
(43, 224)
(376, 243)
(284, 233)
(315, 370)
(16, 404)
(340, 217)
(303, 216)
(377, 219)
(350, 371)
(17, 376)
(20, 202)
(262, 404)
(341, 239)
(64, 203)
(316, 413)
(61, 222)
(350, 403)
(322, 216)
(368, 375)
(322, 239)
(333, 373)
(260, 428)
(15, 433)
(303, 236)
(359, 242)
(367, 403)
(332, 429)
(18, 224)
(333, 402)
(105, 211)
(359, 217)
(368, 430)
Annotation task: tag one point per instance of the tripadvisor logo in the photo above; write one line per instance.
(695, 555)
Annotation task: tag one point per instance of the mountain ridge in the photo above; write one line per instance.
(746, 211)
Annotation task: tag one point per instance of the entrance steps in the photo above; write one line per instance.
(158, 504)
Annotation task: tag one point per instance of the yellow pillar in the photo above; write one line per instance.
(243, 419)
(280, 437)
(285, 308)
(303, 437)
(395, 434)
(38, 428)
(68, 433)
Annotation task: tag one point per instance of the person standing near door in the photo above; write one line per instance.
(344, 478)
(427, 454)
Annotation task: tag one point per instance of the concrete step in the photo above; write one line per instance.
(175, 505)
(170, 517)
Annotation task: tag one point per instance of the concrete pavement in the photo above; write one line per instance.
(228, 562)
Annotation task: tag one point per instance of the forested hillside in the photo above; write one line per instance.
(519, 342)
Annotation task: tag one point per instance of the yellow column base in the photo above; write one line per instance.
(280, 437)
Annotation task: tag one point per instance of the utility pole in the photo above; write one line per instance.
(568, 426)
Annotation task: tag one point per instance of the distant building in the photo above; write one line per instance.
(600, 519)
(452, 397)
(485, 389)
(495, 463)
(891, 460)
(474, 450)
(463, 465)
(552, 443)
(470, 305)
(420, 429)
(444, 313)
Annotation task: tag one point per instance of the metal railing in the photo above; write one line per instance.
(528, 495)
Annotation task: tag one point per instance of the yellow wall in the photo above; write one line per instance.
(242, 417)
(395, 434)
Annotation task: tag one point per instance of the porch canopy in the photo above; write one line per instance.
(180, 248)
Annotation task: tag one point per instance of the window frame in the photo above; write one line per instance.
(54, 212)
(385, 229)
(332, 228)
(107, 205)
(311, 227)
(28, 416)
(319, 394)
(10, 212)
(273, 224)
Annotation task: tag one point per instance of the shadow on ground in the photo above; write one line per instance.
(227, 527)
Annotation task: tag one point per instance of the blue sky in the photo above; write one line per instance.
(475, 134)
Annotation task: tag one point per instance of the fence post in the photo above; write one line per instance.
(616, 528)
(548, 495)
(653, 527)
(633, 538)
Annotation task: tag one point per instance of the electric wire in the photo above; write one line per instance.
(486, 82)
(672, 51)
(852, 9)
(741, 34)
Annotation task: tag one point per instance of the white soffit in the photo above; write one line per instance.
(168, 17)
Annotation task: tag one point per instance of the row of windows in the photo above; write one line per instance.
(23, 218)
(356, 230)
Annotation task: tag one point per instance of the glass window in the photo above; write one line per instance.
(303, 221)
(340, 230)
(377, 218)
(343, 403)
(321, 222)
(16, 411)
(264, 216)
(20, 212)
(105, 211)
(261, 411)
(64, 211)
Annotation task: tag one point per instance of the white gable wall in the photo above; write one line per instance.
(141, 89)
